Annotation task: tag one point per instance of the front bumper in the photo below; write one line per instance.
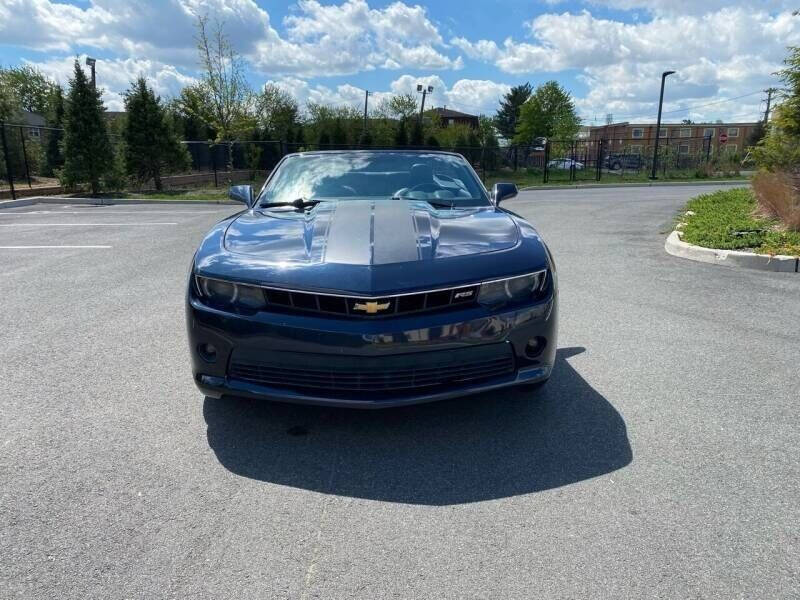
(422, 339)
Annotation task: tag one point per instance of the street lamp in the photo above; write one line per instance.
(664, 76)
(90, 62)
(424, 90)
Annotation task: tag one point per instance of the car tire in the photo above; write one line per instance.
(616, 166)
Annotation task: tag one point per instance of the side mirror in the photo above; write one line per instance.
(241, 193)
(503, 191)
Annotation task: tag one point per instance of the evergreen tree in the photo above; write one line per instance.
(488, 138)
(416, 133)
(151, 146)
(365, 139)
(339, 135)
(507, 116)
(474, 143)
(461, 144)
(400, 136)
(757, 133)
(779, 150)
(789, 114)
(87, 152)
(54, 159)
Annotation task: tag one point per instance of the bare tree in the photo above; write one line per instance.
(230, 100)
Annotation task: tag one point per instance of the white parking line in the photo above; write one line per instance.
(48, 247)
(82, 224)
(110, 212)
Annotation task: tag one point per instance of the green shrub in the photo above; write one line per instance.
(730, 220)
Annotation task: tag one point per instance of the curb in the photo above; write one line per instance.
(533, 188)
(732, 258)
(103, 201)
(15, 203)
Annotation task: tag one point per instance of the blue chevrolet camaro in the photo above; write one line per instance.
(371, 279)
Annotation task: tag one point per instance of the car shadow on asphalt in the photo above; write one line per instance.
(493, 445)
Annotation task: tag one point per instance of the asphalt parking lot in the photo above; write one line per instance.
(661, 461)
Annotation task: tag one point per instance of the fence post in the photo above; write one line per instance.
(25, 157)
(546, 160)
(8, 162)
(599, 160)
(516, 158)
(214, 163)
(572, 162)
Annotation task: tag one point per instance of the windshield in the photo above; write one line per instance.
(438, 178)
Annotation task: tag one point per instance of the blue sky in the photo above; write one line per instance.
(608, 53)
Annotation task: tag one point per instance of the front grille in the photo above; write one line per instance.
(355, 306)
(376, 374)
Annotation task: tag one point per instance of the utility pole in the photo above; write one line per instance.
(769, 91)
(425, 90)
(664, 76)
(366, 98)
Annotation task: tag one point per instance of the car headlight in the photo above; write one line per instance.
(226, 294)
(512, 289)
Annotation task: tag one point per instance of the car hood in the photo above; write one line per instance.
(367, 232)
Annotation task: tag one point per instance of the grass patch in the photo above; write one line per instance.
(533, 178)
(727, 220)
(205, 194)
(219, 194)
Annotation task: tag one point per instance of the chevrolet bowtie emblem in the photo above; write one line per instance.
(371, 307)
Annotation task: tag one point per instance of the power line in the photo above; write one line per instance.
(669, 112)
(686, 109)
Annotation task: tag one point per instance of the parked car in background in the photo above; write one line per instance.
(617, 161)
(565, 164)
(370, 279)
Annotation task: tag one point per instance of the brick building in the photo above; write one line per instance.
(685, 138)
(449, 117)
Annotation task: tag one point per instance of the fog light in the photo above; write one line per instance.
(207, 352)
(535, 347)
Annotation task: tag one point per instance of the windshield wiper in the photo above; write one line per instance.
(432, 203)
(298, 203)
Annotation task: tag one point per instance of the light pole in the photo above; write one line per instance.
(367, 94)
(424, 90)
(90, 62)
(664, 76)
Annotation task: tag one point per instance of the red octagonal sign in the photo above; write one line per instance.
(723, 137)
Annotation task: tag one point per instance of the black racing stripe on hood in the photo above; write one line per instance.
(365, 232)
(393, 233)
(349, 233)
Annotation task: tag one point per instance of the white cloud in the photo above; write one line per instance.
(482, 49)
(320, 39)
(350, 37)
(720, 54)
(687, 7)
(475, 96)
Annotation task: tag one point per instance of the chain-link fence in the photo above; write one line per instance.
(30, 158)
(23, 156)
